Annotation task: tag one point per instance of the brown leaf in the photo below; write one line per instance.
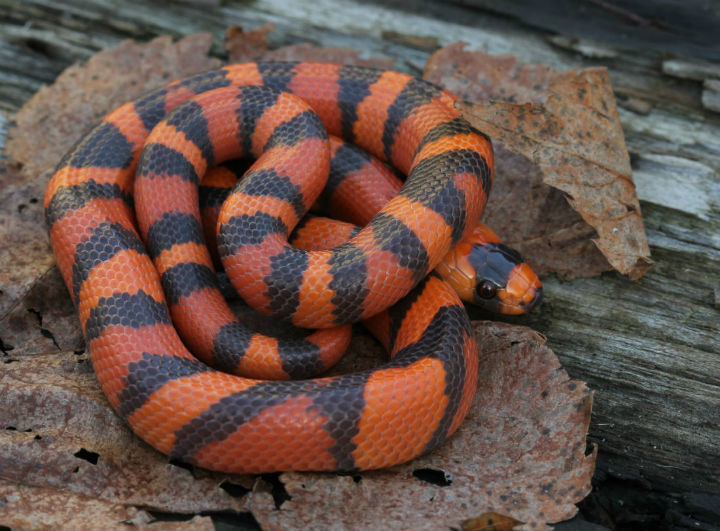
(28, 507)
(550, 235)
(520, 452)
(567, 125)
(44, 320)
(60, 436)
(24, 245)
(242, 46)
(490, 521)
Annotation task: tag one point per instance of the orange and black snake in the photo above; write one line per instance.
(138, 173)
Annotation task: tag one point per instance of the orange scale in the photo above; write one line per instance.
(239, 204)
(129, 123)
(224, 133)
(319, 234)
(70, 176)
(287, 436)
(179, 401)
(364, 192)
(333, 343)
(372, 111)
(317, 83)
(475, 199)
(286, 108)
(243, 74)
(455, 269)
(118, 346)
(176, 95)
(451, 143)
(437, 294)
(428, 225)
(250, 265)
(209, 218)
(365, 240)
(219, 176)
(262, 359)
(335, 144)
(482, 234)
(414, 127)
(379, 327)
(314, 299)
(156, 195)
(168, 135)
(403, 407)
(199, 316)
(77, 226)
(181, 253)
(126, 272)
(470, 353)
(306, 164)
(385, 289)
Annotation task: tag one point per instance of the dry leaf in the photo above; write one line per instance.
(520, 452)
(549, 234)
(61, 436)
(27, 507)
(24, 244)
(242, 46)
(568, 126)
(43, 320)
(490, 522)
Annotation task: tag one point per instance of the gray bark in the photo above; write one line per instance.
(649, 349)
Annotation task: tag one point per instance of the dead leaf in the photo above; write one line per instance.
(310, 52)
(44, 320)
(25, 252)
(60, 436)
(242, 46)
(568, 126)
(549, 234)
(490, 521)
(27, 507)
(520, 452)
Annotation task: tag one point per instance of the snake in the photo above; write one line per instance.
(126, 229)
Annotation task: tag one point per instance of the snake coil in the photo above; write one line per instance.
(182, 406)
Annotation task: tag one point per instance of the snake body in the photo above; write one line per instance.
(233, 423)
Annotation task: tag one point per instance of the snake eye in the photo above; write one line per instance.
(486, 289)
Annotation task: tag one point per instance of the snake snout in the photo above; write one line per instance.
(522, 292)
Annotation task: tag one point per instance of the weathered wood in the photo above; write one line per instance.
(664, 26)
(650, 348)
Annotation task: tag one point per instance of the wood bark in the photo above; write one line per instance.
(649, 348)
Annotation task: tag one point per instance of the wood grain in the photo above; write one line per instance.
(649, 348)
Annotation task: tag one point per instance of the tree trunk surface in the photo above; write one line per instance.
(649, 349)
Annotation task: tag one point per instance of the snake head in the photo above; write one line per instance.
(491, 275)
